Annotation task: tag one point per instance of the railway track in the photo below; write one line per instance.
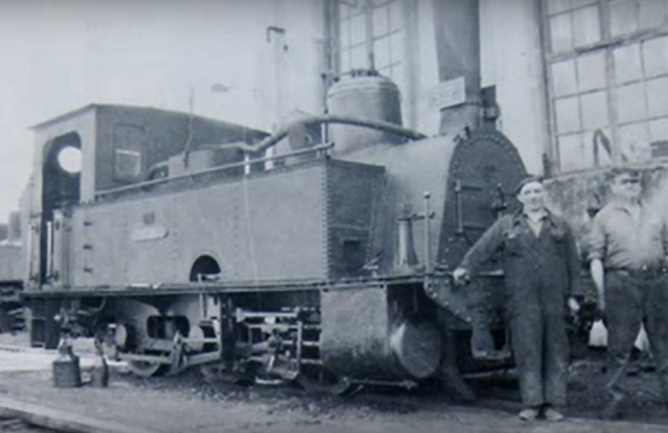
(170, 404)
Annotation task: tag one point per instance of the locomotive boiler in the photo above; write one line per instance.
(184, 241)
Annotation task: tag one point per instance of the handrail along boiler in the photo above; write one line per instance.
(327, 262)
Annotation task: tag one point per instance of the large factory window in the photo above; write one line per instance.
(608, 80)
(372, 34)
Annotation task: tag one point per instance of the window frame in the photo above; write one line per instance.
(606, 45)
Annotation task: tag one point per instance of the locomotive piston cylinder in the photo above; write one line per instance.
(364, 336)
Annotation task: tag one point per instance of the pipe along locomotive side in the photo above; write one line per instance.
(325, 261)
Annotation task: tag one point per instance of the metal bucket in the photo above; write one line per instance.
(66, 370)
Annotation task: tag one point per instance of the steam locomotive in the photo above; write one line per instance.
(320, 254)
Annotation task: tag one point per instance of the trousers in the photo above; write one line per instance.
(540, 347)
(630, 302)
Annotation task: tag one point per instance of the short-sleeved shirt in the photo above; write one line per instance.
(624, 240)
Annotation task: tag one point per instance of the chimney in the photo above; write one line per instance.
(457, 28)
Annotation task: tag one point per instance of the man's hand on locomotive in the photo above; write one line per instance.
(460, 276)
(573, 305)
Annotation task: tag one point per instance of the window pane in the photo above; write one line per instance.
(381, 17)
(594, 149)
(657, 97)
(623, 17)
(344, 10)
(554, 6)
(631, 103)
(562, 35)
(580, 3)
(563, 78)
(591, 72)
(397, 47)
(396, 15)
(634, 142)
(586, 26)
(655, 56)
(571, 155)
(358, 59)
(345, 34)
(587, 140)
(594, 110)
(357, 29)
(627, 64)
(381, 51)
(658, 130)
(568, 114)
(652, 14)
(345, 61)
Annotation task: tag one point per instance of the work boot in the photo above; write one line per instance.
(529, 414)
(551, 414)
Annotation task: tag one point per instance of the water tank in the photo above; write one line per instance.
(364, 95)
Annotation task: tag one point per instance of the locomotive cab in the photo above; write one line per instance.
(101, 147)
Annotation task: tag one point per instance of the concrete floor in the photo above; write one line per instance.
(25, 376)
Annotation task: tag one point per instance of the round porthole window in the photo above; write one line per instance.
(69, 159)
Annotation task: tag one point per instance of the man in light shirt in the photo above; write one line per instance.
(628, 246)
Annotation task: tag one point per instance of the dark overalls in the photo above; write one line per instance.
(541, 272)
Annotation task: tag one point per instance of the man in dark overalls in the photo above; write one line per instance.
(541, 269)
(628, 246)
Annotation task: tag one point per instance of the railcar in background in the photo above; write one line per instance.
(12, 260)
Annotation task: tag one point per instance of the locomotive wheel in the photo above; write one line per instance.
(147, 369)
(321, 381)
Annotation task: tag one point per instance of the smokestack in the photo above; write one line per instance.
(457, 28)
